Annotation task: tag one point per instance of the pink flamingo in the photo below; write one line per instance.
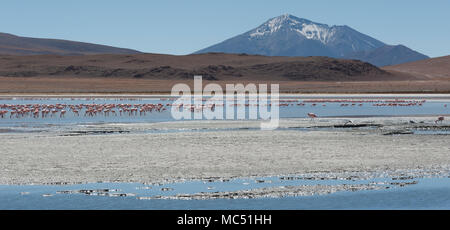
(54, 111)
(440, 119)
(312, 115)
(141, 111)
(36, 113)
(2, 113)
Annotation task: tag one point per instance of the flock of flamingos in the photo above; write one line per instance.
(60, 110)
(126, 109)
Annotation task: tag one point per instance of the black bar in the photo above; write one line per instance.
(233, 219)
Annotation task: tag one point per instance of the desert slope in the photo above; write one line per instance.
(16, 45)
(433, 68)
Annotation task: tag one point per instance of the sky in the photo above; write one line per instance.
(185, 26)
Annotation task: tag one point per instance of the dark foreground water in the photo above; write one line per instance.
(427, 193)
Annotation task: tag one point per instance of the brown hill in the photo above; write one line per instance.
(433, 68)
(15, 45)
(212, 66)
(156, 73)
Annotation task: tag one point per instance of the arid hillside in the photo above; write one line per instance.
(157, 73)
(15, 45)
(433, 68)
(213, 66)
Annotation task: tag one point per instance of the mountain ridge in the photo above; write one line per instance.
(287, 35)
(388, 55)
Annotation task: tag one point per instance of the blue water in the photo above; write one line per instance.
(293, 107)
(428, 193)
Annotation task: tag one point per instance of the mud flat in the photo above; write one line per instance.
(171, 151)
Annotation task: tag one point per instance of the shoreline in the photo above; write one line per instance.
(302, 95)
(97, 85)
(439, 171)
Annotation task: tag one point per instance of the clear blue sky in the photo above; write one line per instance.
(184, 26)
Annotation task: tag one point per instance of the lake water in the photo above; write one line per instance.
(424, 193)
(290, 107)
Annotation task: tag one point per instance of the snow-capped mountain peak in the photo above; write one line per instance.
(304, 27)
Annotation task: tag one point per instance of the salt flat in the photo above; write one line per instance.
(225, 149)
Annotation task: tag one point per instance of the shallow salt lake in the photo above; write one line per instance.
(403, 193)
(290, 107)
(417, 193)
